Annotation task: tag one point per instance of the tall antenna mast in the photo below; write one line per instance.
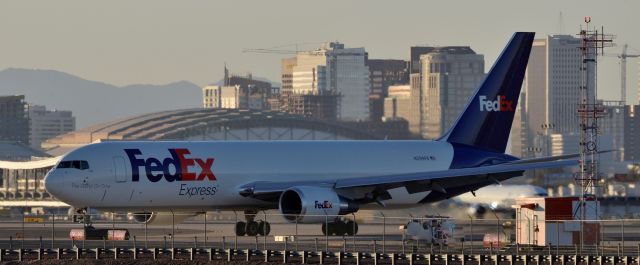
(589, 111)
(560, 24)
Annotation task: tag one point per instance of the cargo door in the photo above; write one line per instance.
(120, 169)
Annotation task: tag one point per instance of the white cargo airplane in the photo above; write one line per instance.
(306, 180)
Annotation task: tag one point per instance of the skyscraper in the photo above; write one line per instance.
(237, 92)
(414, 57)
(14, 119)
(632, 133)
(336, 70)
(402, 102)
(551, 93)
(612, 125)
(287, 75)
(222, 97)
(516, 133)
(449, 76)
(45, 124)
(382, 74)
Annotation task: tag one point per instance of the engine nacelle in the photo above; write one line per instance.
(308, 204)
(477, 210)
(160, 218)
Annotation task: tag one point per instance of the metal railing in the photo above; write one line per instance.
(214, 235)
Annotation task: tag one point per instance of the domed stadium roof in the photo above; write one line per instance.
(207, 124)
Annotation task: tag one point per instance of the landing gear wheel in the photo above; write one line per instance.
(241, 228)
(339, 228)
(352, 228)
(252, 228)
(264, 228)
(328, 229)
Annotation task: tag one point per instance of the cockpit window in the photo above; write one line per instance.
(64, 164)
(78, 164)
(84, 165)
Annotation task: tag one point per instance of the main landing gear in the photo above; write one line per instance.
(252, 227)
(340, 228)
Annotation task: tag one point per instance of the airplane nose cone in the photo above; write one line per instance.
(53, 183)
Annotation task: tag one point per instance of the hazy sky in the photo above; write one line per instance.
(156, 42)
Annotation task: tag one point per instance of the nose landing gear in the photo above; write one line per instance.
(89, 232)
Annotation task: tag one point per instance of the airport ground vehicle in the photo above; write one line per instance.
(435, 230)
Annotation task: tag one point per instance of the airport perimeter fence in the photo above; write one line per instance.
(376, 234)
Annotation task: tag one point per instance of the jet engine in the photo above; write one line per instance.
(308, 204)
(160, 218)
(477, 210)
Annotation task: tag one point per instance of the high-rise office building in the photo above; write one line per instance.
(14, 119)
(308, 99)
(414, 57)
(287, 75)
(415, 82)
(611, 125)
(45, 124)
(237, 92)
(382, 74)
(336, 70)
(632, 133)
(402, 102)
(551, 93)
(222, 97)
(449, 77)
(516, 131)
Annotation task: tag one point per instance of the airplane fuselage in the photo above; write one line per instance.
(308, 180)
(207, 175)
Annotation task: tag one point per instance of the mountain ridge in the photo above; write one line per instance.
(95, 102)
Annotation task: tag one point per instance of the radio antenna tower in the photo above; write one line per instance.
(589, 111)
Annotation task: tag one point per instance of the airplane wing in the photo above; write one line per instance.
(553, 158)
(446, 182)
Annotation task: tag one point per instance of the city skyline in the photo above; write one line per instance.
(120, 118)
(164, 42)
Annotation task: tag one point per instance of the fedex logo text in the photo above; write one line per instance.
(323, 205)
(500, 104)
(182, 165)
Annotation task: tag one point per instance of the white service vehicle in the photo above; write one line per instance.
(436, 230)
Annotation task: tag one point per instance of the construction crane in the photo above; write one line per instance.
(278, 50)
(623, 71)
(275, 51)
